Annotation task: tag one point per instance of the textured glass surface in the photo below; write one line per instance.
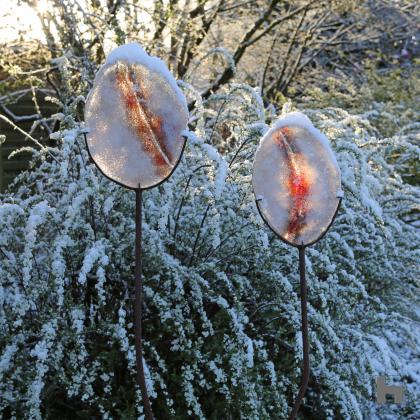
(135, 119)
(296, 182)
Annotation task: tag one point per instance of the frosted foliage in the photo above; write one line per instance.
(296, 181)
(221, 297)
(135, 119)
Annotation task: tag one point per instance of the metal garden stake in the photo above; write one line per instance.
(297, 186)
(135, 115)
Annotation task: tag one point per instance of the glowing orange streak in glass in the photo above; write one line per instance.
(147, 126)
(298, 183)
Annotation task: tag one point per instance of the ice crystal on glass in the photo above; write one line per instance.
(296, 180)
(135, 115)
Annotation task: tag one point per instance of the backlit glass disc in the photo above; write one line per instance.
(296, 180)
(135, 114)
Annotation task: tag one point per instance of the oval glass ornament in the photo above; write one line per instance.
(135, 115)
(296, 180)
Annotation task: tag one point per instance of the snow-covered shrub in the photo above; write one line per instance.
(222, 313)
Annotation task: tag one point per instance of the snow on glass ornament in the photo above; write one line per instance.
(297, 186)
(296, 180)
(135, 115)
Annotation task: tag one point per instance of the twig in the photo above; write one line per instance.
(28, 136)
(198, 235)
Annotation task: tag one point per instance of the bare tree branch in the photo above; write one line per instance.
(249, 39)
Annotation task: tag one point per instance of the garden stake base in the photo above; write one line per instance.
(305, 340)
(138, 309)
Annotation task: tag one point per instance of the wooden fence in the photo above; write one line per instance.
(10, 168)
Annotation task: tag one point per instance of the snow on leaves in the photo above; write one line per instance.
(221, 324)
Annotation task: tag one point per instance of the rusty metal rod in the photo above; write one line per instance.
(138, 310)
(305, 339)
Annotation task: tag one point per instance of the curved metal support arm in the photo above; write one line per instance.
(305, 338)
(138, 302)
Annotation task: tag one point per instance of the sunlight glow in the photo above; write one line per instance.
(21, 21)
